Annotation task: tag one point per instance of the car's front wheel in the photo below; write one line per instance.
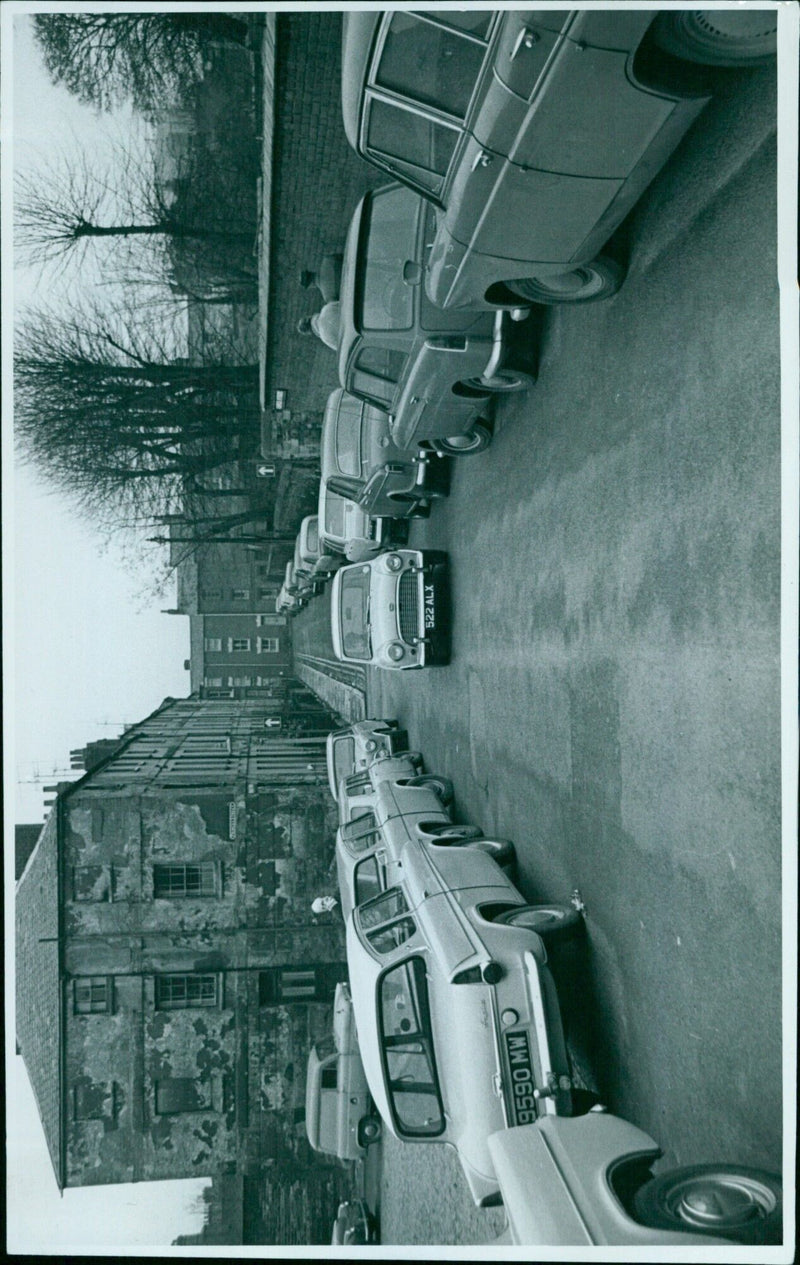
(441, 786)
(369, 1130)
(587, 284)
(726, 1200)
(552, 922)
(502, 381)
(471, 441)
(718, 37)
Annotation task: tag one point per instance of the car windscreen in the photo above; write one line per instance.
(334, 516)
(354, 613)
(387, 301)
(407, 1050)
(348, 437)
(344, 754)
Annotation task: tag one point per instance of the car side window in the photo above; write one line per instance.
(431, 64)
(415, 147)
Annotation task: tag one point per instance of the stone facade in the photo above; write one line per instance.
(171, 976)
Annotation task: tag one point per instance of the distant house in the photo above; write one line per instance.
(170, 974)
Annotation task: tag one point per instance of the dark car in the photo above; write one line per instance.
(533, 132)
(361, 461)
(434, 372)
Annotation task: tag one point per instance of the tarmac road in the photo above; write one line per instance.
(613, 700)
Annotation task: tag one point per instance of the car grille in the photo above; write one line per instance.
(408, 606)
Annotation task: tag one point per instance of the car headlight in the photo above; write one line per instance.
(395, 651)
(394, 562)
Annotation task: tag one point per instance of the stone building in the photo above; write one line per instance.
(170, 974)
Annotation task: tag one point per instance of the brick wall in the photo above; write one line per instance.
(317, 181)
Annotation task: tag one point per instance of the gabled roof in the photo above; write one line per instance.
(38, 984)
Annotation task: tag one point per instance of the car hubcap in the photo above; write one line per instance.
(720, 1200)
(745, 32)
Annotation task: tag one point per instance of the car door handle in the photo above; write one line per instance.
(482, 159)
(525, 39)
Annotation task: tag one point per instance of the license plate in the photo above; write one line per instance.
(429, 603)
(523, 1103)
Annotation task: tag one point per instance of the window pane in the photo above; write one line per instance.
(388, 302)
(415, 146)
(429, 64)
(389, 938)
(182, 1093)
(355, 613)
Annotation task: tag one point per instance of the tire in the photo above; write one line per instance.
(504, 381)
(552, 922)
(718, 37)
(472, 441)
(451, 835)
(442, 786)
(502, 851)
(726, 1200)
(369, 1130)
(590, 283)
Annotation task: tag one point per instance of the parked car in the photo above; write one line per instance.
(435, 372)
(392, 611)
(354, 1224)
(361, 461)
(457, 1013)
(399, 808)
(532, 132)
(346, 529)
(339, 1116)
(351, 750)
(588, 1181)
(312, 550)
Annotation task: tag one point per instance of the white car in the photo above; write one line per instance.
(392, 611)
(587, 1181)
(340, 1119)
(447, 959)
(351, 750)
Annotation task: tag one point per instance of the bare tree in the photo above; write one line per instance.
(148, 59)
(110, 411)
(127, 203)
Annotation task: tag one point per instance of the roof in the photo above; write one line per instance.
(38, 1018)
(357, 38)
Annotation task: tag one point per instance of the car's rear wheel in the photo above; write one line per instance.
(471, 441)
(718, 37)
(442, 786)
(727, 1200)
(588, 284)
(552, 922)
(369, 1130)
(451, 834)
(502, 381)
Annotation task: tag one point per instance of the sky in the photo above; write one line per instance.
(83, 655)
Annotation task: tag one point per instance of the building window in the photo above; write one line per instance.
(214, 682)
(93, 1100)
(240, 595)
(93, 882)
(185, 992)
(213, 643)
(92, 995)
(238, 643)
(185, 880)
(182, 1093)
